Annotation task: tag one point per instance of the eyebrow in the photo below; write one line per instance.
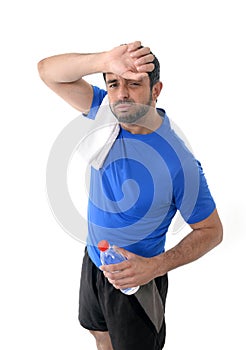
(110, 81)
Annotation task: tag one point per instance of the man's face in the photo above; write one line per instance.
(129, 99)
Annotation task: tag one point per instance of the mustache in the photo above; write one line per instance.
(120, 102)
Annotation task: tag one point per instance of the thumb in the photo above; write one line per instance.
(124, 252)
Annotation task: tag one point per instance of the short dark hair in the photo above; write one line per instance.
(154, 76)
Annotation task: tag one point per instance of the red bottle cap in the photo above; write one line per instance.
(103, 245)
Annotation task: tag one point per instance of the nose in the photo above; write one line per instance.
(123, 92)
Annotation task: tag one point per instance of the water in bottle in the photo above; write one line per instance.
(109, 255)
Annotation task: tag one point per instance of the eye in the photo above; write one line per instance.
(134, 83)
(113, 85)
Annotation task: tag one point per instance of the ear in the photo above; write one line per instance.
(156, 90)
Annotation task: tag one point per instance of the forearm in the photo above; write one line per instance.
(71, 67)
(137, 270)
(191, 248)
(130, 61)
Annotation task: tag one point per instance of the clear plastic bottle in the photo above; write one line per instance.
(109, 255)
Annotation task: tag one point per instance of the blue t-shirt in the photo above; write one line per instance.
(144, 180)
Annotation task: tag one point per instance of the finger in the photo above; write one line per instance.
(143, 51)
(149, 67)
(113, 280)
(144, 59)
(124, 252)
(134, 76)
(118, 275)
(134, 46)
(124, 284)
(115, 268)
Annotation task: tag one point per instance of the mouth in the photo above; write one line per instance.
(123, 107)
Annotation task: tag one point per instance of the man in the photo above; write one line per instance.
(147, 176)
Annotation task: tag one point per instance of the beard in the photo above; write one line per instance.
(129, 112)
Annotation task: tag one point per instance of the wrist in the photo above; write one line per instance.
(102, 62)
(159, 264)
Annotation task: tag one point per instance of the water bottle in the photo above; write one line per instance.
(109, 255)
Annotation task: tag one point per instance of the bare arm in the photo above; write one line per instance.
(137, 270)
(205, 235)
(64, 73)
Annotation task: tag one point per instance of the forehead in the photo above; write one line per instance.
(114, 77)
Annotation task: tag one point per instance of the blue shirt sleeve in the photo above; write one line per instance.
(191, 192)
(98, 96)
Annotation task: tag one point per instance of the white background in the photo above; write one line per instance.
(201, 47)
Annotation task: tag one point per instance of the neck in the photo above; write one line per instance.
(145, 125)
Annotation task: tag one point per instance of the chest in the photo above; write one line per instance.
(136, 177)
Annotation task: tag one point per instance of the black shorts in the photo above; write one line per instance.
(134, 322)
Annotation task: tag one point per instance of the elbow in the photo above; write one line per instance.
(41, 68)
(219, 234)
(217, 229)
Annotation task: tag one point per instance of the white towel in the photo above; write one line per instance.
(101, 134)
